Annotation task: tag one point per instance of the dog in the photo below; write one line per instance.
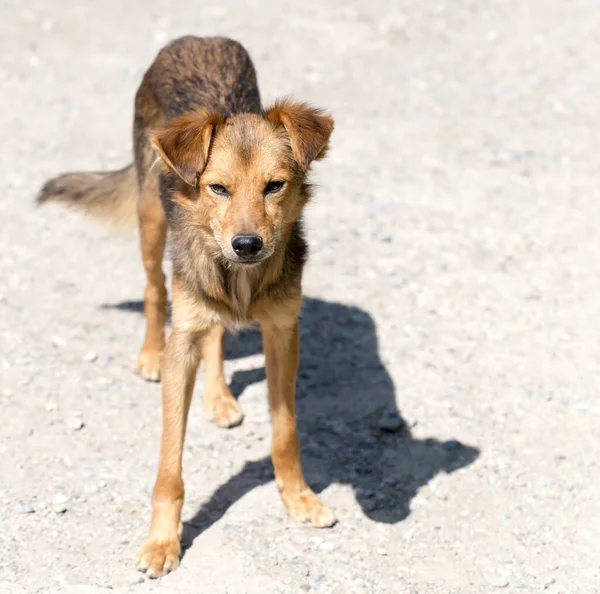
(229, 182)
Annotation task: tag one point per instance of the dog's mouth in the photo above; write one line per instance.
(247, 260)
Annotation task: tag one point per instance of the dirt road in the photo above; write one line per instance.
(454, 280)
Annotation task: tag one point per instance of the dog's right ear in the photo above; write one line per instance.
(184, 143)
(309, 129)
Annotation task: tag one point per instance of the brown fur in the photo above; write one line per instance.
(111, 196)
(198, 108)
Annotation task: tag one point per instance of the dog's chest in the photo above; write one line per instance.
(241, 288)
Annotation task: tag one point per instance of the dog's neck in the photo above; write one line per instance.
(230, 290)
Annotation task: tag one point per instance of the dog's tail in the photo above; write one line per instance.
(110, 196)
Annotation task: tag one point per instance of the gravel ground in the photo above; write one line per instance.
(453, 285)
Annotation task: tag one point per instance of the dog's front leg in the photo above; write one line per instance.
(282, 349)
(161, 550)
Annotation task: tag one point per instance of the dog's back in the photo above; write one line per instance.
(210, 72)
(189, 73)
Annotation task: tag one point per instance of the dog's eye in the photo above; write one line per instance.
(274, 187)
(219, 189)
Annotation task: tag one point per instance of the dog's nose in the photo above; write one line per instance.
(247, 246)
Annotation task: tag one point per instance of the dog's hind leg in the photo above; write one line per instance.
(153, 235)
(219, 404)
(153, 231)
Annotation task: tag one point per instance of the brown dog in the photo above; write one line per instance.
(231, 192)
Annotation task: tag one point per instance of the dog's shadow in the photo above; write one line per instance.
(350, 428)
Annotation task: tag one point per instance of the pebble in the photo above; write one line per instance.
(391, 422)
(60, 508)
(319, 580)
(90, 357)
(26, 508)
(59, 499)
(452, 444)
(366, 493)
(75, 423)
(496, 580)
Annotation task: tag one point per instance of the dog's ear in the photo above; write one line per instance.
(309, 129)
(184, 143)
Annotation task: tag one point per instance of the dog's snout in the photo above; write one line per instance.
(247, 245)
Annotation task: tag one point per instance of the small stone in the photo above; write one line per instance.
(366, 493)
(391, 422)
(319, 580)
(327, 546)
(496, 580)
(452, 444)
(40, 506)
(90, 357)
(59, 499)
(50, 405)
(60, 508)
(397, 281)
(75, 423)
(48, 25)
(26, 508)
(382, 552)
(57, 341)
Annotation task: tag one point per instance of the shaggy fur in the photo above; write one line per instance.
(230, 172)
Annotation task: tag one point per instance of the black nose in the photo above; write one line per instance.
(247, 246)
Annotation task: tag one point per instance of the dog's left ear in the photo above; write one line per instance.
(185, 141)
(309, 129)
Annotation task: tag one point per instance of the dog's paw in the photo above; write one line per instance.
(157, 558)
(148, 365)
(223, 410)
(305, 506)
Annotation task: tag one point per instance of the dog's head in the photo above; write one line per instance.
(244, 175)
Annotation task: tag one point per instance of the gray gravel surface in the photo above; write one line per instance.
(448, 393)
